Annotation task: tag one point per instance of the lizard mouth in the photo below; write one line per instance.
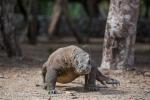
(87, 71)
(84, 71)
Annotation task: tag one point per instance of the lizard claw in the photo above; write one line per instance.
(52, 92)
(113, 82)
(92, 88)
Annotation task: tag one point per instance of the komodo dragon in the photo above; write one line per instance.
(66, 64)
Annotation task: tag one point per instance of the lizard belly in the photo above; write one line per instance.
(66, 78)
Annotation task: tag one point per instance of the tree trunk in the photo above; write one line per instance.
(120, 34)
(92, 8)
(74, 30)
(147, 7)
(22, 9)
(56, 16)
(8, 28)
(60, 9)
(33, 22)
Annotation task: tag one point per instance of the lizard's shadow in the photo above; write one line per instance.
(103, 91)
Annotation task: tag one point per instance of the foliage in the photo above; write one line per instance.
(76, 10)
(46, 7)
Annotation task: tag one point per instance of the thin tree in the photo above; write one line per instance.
(120, 34)
(61, 9)
(33, 21)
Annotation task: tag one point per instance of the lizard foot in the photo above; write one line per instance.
(94, 88)
(114, 82)
(52, 92)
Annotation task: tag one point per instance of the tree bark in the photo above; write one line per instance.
(120, 34)
(8, 28)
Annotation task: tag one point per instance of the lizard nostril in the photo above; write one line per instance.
(81, 67)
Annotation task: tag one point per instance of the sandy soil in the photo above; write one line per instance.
(19, 76)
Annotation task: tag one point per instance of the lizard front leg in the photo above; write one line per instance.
(44, 71)
(50, 80)
(90, 81)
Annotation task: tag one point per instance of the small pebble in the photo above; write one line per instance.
(147, 91)
(147, 74)
(74, 97)
(67, 92)
(2, 75)
(70, 93)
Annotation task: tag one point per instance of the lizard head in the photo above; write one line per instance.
(82, 62)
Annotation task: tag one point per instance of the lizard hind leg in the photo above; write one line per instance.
(106, 80)
(50, 81)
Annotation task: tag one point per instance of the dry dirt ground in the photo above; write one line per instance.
(19, 77)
